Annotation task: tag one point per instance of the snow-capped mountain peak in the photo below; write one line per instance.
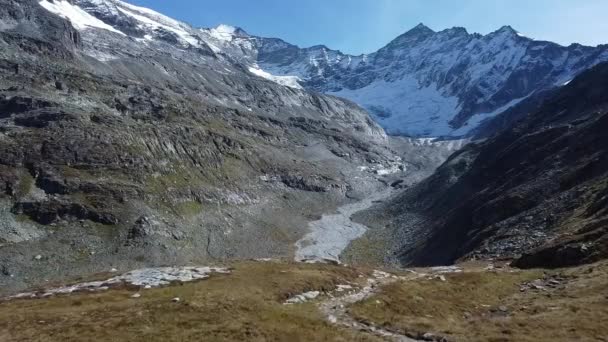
(428, 83)
(122, 18)
(423, 83)
(507, 29)
(226, 32)
(420, 29)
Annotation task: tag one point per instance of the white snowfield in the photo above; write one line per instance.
(288, 81)
(413, 110)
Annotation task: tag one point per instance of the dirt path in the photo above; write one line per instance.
(336, 308)
(329, 236)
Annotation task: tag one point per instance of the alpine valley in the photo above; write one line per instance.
(160, 181)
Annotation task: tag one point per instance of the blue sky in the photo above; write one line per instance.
(361, 26)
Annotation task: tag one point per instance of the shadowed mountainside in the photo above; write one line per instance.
(538, 188)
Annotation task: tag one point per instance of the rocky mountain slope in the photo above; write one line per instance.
(132, 139)
(427, 83)
(538, 189)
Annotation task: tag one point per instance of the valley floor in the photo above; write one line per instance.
(272, 300)
(333, 233)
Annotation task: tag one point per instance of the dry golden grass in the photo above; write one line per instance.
(246, 305)
(487, 306)
(243, 306)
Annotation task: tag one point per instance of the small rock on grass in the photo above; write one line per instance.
(432, 337)
(176, 300)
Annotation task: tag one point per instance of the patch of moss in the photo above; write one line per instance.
(135, 149)
(369, 250)
(218, 126)
(23, 219)
(187, 177)
(233, 168)
(70, 172)
(180, 178)
(82, 254)
(26, 184)
(188, 209)
(279, 234)
(95, 175)
(81, 198)
(103, 230)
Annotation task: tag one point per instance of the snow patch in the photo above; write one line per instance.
(157, 17)
(450, 144)
(223, 32)
(446, 269)
(381, 170)
(303, 298)
(159, 21)
(288, 81)
(146, 278)
(80, 19)
(477, 119)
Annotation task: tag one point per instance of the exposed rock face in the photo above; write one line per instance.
(128, 140)
(28, 19)
(538, 189)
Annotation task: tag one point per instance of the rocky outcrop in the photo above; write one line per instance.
(50, 212)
